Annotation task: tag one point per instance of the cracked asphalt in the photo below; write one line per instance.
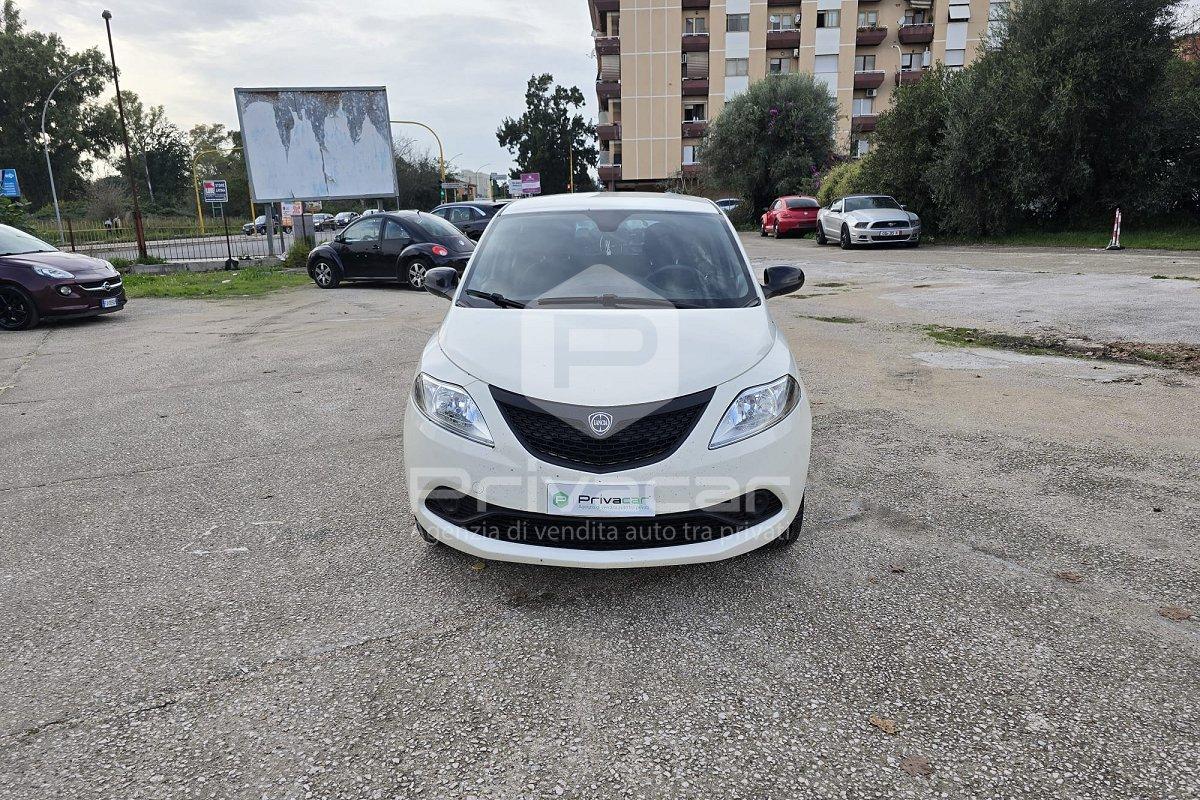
(210, 587)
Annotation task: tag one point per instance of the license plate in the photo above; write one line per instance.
(889, 233)
(108, 302)
(600, 499)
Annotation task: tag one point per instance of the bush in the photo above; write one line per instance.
(297, 255)
(842, 179)
(13, 213)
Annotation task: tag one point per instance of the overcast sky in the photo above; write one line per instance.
(461, 71)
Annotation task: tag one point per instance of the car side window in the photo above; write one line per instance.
(364, 230)
(836, 208)
(458, 215)
(394, 231)
(440, 212)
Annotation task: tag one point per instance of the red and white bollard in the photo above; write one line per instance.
(1115, 242)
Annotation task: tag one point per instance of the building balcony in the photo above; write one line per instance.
(609, 133)
(870, 79)
(696, 3)
(608, 45)
(916, 34)
(694, 130)
(607, 90)
(607, 5)
(691, 169)
(609, 172)
(783, 39)
(907, 76)
(783, 2)
(696, 42)
(694, 86)
(863, 124)
(869, 37)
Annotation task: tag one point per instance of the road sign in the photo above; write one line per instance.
(515, 187)
(215, 191)
(454, 185)
(531, 183)
(8, 183)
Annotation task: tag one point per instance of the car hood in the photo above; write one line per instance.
(606, 357)
(880, 215)
(79, 265)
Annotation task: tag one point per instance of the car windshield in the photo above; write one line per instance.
(13, 242)
(802, 202)
(435, 227)
(864, 203)
(609, 259)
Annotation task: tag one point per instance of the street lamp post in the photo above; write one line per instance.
(46, 149)
(137, 209)
(441, 151)
(479, 172)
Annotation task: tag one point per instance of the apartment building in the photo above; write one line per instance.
(667, 67)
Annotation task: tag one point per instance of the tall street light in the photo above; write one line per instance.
(46, 148)
(441, 150)
(137, 209)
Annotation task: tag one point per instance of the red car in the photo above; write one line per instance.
(794, 213)
(37, 281)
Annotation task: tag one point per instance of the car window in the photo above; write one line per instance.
(802, 202)
(394, 230)
(861, 203)
(440, 212)
(13, 241)
(683, 258)
(364, 230)
(460, 214)
(435, 227)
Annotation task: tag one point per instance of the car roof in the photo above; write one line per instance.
(615, 201)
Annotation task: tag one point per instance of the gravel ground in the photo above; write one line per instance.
(211, 589)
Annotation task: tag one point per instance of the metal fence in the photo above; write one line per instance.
(170, 242)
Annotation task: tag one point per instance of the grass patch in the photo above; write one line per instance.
(1166, 237)
(125, 263)
(251, 281)
(839, 320)
(1183, 357)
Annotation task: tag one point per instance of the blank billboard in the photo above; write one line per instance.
(317, 144)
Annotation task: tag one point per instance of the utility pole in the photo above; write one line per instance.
(46, 150)
(137, 209)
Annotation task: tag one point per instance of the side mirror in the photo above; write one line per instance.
(442, 281)
(780, 280)
(903, 207)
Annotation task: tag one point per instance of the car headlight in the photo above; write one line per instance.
(52, 272)
(755, 410)
(450, 407)
(861, 224)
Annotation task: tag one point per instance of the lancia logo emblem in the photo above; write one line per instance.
(600, 422)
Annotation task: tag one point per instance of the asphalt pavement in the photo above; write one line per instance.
(211, 587)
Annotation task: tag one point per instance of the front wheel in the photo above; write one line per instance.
(821, 240)
(845, 242)
(325, 275)
(18, 312)
(792, 533)
(415, 275)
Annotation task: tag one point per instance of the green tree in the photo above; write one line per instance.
(1057, 123)
(418, 175)
(773, 139)
(843, 178)
(80, 130)
(160, 153)
(543, 138)
(908, 138)
(218, 155)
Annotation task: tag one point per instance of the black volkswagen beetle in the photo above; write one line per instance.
(390, 246)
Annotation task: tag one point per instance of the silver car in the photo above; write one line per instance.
(867, 219)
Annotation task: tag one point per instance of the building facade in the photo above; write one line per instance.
(666, 68)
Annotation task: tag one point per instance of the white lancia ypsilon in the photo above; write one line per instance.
(608, 389)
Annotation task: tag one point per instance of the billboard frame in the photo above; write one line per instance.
(250, 173)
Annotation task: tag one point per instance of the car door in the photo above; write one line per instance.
(359, 248)
(396, 239)
(832, 219)
(460, 217)
(776, 208)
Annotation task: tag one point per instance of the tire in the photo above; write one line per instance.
(414, 273)
(792, 532)
(820, 235)
(844, 240)
(18, 311)
(325, 274)
(917, 243)
(775, 232)
(762, 230)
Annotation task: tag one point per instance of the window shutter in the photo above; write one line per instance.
(697, 65)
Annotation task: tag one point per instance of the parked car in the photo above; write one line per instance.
(390, 246)
(868, 219)
(471, 217)
(323, 222)
(38, 281)
(790, 214)
(728, 204)
(607, 454)
(259, 226)
(343, 218)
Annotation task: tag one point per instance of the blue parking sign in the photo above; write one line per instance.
(8, 183)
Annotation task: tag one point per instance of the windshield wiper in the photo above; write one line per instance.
(606, 301)
(495, 299)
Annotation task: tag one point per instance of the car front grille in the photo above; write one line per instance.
(113, 287)
(603, 533)
(639, 435)
(891, 223)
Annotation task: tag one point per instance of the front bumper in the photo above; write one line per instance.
(884, 235)
(84, 301)
(692, 478)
